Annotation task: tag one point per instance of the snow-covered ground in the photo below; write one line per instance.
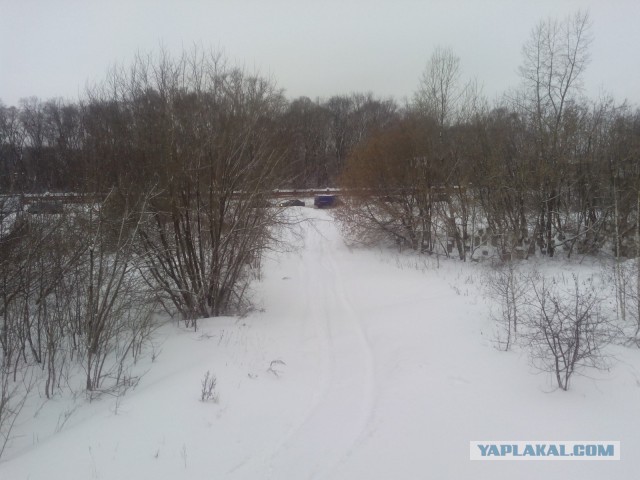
(356, 365)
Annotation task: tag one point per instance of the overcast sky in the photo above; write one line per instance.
(52, 48)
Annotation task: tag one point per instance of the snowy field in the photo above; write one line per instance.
(356, 364)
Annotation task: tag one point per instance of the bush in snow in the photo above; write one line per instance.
(506, 284)
(208, 385)
(565, 329)
(211, 159)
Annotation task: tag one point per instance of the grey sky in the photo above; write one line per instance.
(51, 48)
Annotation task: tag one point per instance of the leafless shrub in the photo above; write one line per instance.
(625, 278)
(37, 306)
(208, 385)
(13, 395)
(566, 330)
(119, 305)
(214, 157)
(506, 284)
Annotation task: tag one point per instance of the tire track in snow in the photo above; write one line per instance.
(370, 388)
(341, 416)
(314, 315)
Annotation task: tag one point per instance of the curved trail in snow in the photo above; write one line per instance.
(342, 409)
(344, 402)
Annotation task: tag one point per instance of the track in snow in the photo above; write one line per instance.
(340, 416)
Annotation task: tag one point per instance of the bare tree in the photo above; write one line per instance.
(440, 92)
(554, 60)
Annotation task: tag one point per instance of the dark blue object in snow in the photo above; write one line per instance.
(325, 201)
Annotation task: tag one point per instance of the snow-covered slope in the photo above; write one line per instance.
(355, 366)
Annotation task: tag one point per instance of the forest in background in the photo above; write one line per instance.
(173, 159)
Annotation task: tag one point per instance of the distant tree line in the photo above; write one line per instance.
(47, 146)
(542, 171)
(172, 160)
